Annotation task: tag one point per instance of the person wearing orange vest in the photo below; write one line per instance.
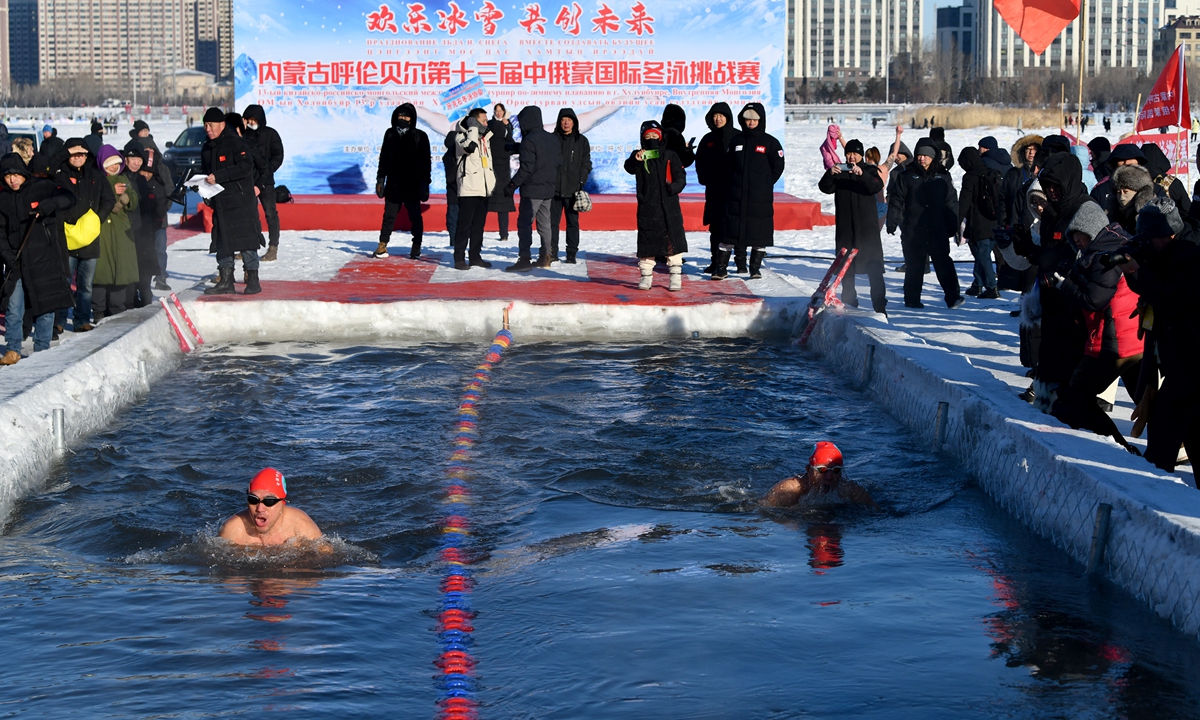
(822, 481)
(268, 519)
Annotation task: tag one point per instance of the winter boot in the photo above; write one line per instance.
(224, 284)
(570, 257)
(973, 291)
(12, 357)
(272, 253)
(416, 250)
(647, 279)
(161, 285)
(712, 264)
(381, 251)
(252, 286)
(739, 258)
(756, 261)
(676, 278)
(721, 265)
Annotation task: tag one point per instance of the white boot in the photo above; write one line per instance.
(676, 278)
(647, 279)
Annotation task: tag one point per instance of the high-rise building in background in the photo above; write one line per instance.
(130, 46)
(5, 83)
(23, 42)
(844, 40)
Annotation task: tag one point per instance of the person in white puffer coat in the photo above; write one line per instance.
(476, 181)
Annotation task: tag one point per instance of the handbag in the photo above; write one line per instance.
(282, 194)
(82, 232)
(583, 201)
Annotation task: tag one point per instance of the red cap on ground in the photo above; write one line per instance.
(826, 453)
(269, 480)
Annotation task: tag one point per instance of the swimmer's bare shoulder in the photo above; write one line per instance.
(857, 494)
(786, 493)
(295, 523)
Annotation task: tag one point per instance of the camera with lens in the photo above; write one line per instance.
(1135, 249)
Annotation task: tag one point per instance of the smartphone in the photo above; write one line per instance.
(844, 167)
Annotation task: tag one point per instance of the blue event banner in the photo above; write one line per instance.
(329, 76)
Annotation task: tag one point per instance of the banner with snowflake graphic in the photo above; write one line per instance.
(329, 75)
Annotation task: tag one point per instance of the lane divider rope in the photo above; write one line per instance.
(457, 685)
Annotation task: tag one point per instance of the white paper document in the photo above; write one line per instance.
(205, 188)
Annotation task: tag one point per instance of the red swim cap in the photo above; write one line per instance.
(269, 480)
(826, 453)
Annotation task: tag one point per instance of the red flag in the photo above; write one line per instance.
(1038, 22)
(1168, 101)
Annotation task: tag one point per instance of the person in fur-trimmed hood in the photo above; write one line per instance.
(1012, 190)
(1132, 188)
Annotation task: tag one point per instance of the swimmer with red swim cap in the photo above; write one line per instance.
(822, 477)
(268, 519)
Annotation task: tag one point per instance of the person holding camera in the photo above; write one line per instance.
(475, 182)
(854, 186)
(405, 171)
(1162, 267)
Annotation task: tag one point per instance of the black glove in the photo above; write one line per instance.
(1003, 236)
(471, 147)
(509, 189)
(379, 189)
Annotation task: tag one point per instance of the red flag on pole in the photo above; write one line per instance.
(1168, 101)
(1038, 22)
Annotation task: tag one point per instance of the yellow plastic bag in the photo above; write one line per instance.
(84, 232)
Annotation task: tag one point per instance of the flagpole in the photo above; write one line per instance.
(1082, 67)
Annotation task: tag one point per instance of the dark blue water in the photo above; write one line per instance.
(623, 570)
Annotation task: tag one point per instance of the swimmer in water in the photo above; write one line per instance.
(823, 476)
(268, 519)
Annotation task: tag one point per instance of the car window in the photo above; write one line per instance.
(192, 137)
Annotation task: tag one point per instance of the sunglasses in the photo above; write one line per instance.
(253, 500)
(836, 470)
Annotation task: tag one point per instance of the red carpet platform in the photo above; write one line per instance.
(611, 280)
(609, 212)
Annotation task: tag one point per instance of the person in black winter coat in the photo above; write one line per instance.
(857, 223)
(755, 163)
(946, 153)
(450, 166)
(501, 201)
(674, 122)
(1164, 275)
(994, 157)
(1062, 331)
(52, 144)
(660, 178)
(978, 201)
(573, 173)
(1160, 172)
(78, 173)
(924, 206)
(541, 153)
(403, 178)
(711, 167)
(94, 139)
(1016, 181)
(34, 254)
(1099, 148)
(227, 160)
(270, 146)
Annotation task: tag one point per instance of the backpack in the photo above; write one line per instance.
(989, 194)
(282, 194)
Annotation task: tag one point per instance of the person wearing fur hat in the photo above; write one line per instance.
(270, 146)
(660, 178)
(34, 254)
(711, 164)
(1163, 272)
(1132, 188)
(117, 266)
(226, 159)
(1017, 179)
(755, 165)
(857, 226)
(924, 207)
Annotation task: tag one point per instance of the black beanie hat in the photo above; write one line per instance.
(214, 114)
(854, 146)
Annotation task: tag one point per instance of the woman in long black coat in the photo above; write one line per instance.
(854, 192)
(660, 178)
(711, 166)
(755, 164)
(501, 200)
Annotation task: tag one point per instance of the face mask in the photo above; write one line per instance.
(650, 143)
(402, 123)
(251, 126)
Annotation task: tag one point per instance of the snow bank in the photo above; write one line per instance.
(91, 379)
(1050, 477)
